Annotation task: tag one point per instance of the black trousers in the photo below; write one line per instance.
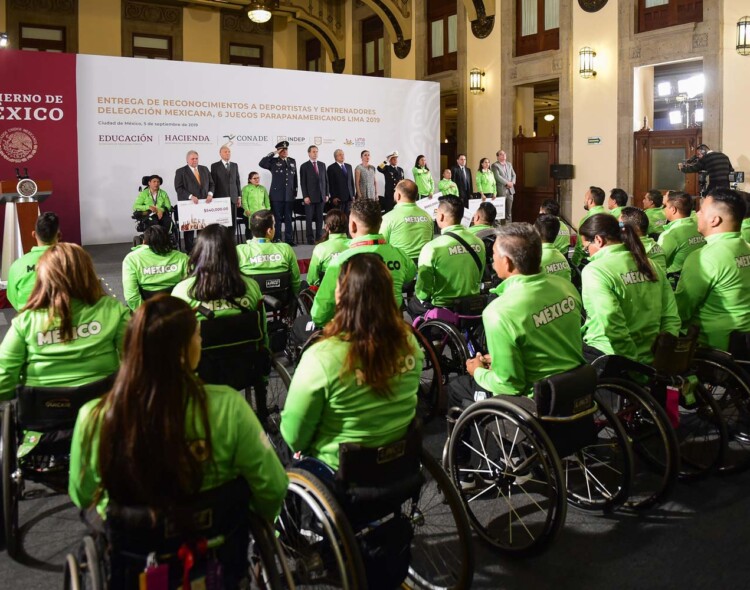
(282, 213)
(313, 212)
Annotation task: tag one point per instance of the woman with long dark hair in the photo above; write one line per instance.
(423, 177)
(70, 331)
(160, 435)
(215, 281)
(359, 383)
(485, 180)
(628, 300)
(331, 244)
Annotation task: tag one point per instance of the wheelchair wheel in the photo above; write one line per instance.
(10, 486)
(509, 477)
(305, 301)
(449, 347)
(654, 442)
(442, 555)
(702, 434)
(728, 384)
(317, 537)
(276, 390)
(430, 393)
(598, 477)
(71, 573)
(268, 567)
(91, 568)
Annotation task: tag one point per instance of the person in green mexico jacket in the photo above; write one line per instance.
(423, 177)
(334, 242)
(161, 435)
(356, 384)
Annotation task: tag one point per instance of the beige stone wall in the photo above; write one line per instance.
(284, 43)
(99, 27)
(201, 35)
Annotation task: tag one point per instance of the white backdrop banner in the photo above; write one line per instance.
(140, 117)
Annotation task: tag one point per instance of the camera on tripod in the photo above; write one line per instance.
(690, 161)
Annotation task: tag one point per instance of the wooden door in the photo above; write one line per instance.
(532, 158)
(657, 154)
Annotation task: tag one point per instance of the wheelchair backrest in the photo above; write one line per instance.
(277, 284)
(674, 355)
(565, 405)
(229, 330)
(46, 409)
(739, 345)
(219, 512)
(470, 305)
(146, 295)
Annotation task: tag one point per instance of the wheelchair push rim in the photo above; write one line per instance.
(515, 497)
(9, 483)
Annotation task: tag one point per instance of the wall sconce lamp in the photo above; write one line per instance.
(258, 12)
(475, 81)
(3, 40)
(743, 36)
(586, 62)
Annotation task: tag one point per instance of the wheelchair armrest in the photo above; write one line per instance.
(273, 303)
(614, 365)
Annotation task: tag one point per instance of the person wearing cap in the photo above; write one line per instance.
(393, 174)
(193, 183)
(284, 184)
(153, 202)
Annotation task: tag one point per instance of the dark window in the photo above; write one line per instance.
(313, 53)
(245, 55)
(442, 36)
(537, 26)
(659, 14)
(42, 38)
(152, 46)
(372, 47)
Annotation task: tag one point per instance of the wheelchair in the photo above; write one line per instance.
(35, 436)
(517, 461)
(349, 529)
(282, 307)
(203, 543)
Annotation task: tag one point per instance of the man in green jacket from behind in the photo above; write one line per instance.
(638, 220)
(447, 270)
(593, 203)
(680, 236)
(653, 205)
(22, 273)
(714, 288)
(407, 226)
(553, 262)
(533, 327)
(364, 224)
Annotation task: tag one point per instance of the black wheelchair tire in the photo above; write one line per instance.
(452, 499)
(643, 407)
(302, 483)
(495, 409)
(8, 463)
(714, 366)
(275, 574)
(617, 499)
(430, 395)
(453, 339)
(71, 573)
(710, 411)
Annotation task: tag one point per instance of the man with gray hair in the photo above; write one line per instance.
(505, 179)
(193, 183)
(533, 328)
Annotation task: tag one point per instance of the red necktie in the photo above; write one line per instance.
(315, 165)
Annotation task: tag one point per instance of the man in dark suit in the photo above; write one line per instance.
(393, 174)
(226, 177)
(313, 182)
(462, 177)
(283, 187)
(341, 182)
(193, 183)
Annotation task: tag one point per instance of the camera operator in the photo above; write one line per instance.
(715, 164)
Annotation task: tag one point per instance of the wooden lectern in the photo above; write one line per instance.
(21, 212)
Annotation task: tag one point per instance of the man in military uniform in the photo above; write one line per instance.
(714, 288)
(680, 236)
(283, 187)
(364, 224)
(407, 226)
(533, 328)
(450, 266)
(262, 256)
(393, 175)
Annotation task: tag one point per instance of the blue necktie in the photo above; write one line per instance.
(343, 169)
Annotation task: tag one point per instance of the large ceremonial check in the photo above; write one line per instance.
(199, 215)
(95, 125)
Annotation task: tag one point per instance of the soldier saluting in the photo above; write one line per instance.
(393, 175)
(283, 187)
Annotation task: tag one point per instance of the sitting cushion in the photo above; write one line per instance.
(56, 408)
(567, 394)
(228, 330)
(442, 314)
(471, 305)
